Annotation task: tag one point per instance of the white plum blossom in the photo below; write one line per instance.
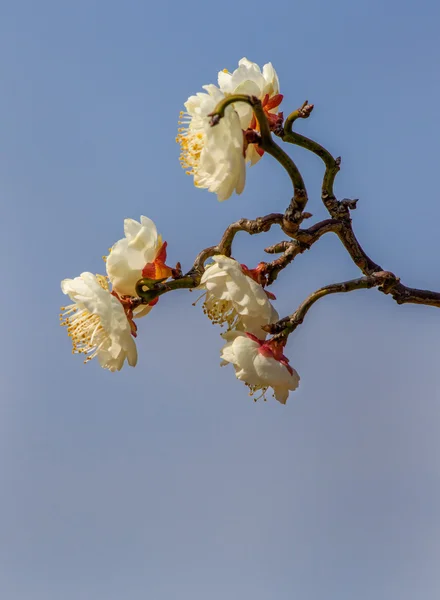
(259, 364)
(129, 257)
(250, 80)
(214, 155)
(234, 298)
(97, 323)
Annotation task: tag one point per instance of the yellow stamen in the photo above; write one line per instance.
(191, 145)
(256, 388)
(221, 312)
(84, 328)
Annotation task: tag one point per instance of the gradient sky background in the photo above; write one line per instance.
(166, 481)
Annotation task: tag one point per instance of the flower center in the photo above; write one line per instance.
(191, 144)
(84, 329)
(219, 311)
(253, 389)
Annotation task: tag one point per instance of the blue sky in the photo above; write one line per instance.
(166, 481)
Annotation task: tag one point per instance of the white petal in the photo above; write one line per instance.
(281, 393)
(225, 82)
(272, 83)
(131, 228)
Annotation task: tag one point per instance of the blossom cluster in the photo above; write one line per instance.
(102, 318)
(101, 321)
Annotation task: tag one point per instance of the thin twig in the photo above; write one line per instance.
(304, 239)
(332, 165)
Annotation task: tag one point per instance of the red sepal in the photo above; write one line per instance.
(272, 349)
(273, 102)
(162, 253)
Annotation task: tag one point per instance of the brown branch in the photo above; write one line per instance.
(288, 324)
(332, 165)
(406, 295)
(352, 245)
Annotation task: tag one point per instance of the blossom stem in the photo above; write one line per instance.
(149, 293)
